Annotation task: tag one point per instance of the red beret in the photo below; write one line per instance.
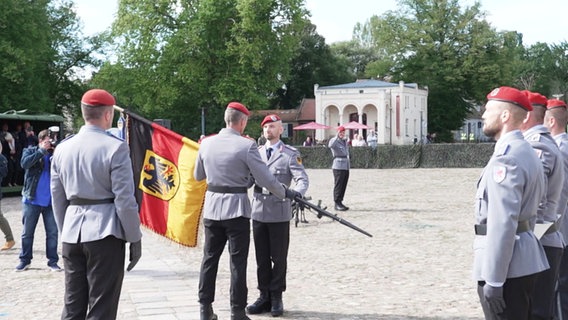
(555, 103)
(535, 98)
(238, 106)
(98, 97)
(511, 95)
(270, 118)
(340, 128)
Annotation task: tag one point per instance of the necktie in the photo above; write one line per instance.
(268, 153)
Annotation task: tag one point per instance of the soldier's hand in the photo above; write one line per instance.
(494, 298)
(135, 254)
(293, 194)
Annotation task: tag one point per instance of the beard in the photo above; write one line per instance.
(490, 131)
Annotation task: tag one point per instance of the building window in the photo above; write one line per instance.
(406, 127)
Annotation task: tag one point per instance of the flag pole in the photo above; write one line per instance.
(133, 115)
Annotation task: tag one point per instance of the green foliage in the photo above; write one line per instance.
(450, 49)
(445, 155)
(182, 56)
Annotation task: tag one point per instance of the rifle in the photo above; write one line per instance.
(322, 212)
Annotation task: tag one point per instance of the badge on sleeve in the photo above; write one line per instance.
(499, 174)
(299, 160)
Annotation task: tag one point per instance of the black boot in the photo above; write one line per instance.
(238, 314)
(340, 207)
(206, 312)
(277, 304)
(261, 305)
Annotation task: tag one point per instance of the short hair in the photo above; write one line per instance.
(93, 112)
(42, 134)
(234, 116)
(560, 115)
(518, 114)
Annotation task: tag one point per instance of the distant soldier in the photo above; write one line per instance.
(340, 167)
(508, 256)
(271, 218)
(547, 151)
(555, 120)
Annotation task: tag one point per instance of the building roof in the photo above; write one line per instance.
(286, 115)
(368, 83)
(307, 110)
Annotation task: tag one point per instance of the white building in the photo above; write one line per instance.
(397, 112)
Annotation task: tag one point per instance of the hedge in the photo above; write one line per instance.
(437, 155)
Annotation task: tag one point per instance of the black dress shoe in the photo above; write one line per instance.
(340, 207)
(239, 315)
(261, 305)
(277, 308)
(206, 312)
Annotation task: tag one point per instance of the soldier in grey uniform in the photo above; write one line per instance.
(507, 254)
(228, 160)
(340, 167)
(555, 120)
(92, 188)
(547, 150)
(271, 218)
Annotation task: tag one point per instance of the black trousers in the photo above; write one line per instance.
(93, 278)
(217, 233)
(563, 288)
(271, 243)
(341, 177)
(544, 292)
(517, 294)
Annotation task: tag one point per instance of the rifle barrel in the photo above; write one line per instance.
(322, 212)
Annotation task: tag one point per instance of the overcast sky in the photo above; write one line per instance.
(538, 21)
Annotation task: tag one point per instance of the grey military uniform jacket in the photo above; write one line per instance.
(286, 165)
(94, 164)
(229, 160)
(553, 165)
(508, 191)
(562, 142)
(340, 152)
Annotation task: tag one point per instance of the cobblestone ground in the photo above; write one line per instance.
(417, 265)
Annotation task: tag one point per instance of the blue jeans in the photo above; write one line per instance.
(29, 220)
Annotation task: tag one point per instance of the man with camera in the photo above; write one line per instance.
(36, 201)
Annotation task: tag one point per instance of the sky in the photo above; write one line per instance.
(538, 21)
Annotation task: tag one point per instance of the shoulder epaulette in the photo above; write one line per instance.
(503, 149)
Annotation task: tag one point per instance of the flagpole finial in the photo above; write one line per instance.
(117, 108)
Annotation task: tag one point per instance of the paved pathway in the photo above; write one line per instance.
(417, 265)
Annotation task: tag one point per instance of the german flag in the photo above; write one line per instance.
(170, 199)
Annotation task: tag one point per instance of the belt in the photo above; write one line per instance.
(553, 228)
(258, 189)
(85, 202)
(523, 226)
(342, 157)
(225, 189)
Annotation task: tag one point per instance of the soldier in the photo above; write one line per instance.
(95, 210)
(507, 254)
(227, 160)
(271, 218)
(555, 120)
(546, 149)
(340, 167)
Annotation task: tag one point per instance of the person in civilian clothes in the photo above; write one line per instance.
(271, 218)
(340, 167)
(92, 186)
(36, 202)
(228, 161)
(507, 254)
(4, 224)
(555, 120)
(547, 150)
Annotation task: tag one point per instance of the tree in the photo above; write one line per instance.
(452, 51)
(40, 49)
(313, 63)
(185, 56)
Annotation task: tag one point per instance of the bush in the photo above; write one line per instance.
(443, 155)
